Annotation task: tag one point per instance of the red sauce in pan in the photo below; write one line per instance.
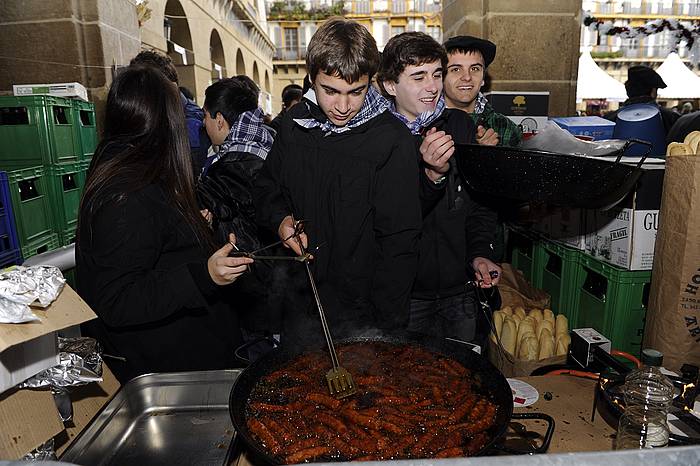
(410, 403)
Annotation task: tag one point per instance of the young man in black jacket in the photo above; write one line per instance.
(456, 237)
(347, 167)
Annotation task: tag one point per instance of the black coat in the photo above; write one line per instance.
(684, 126)
(227, 191)
(358, 191)
(459, 228)
(141, 269)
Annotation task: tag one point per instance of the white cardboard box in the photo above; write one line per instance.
(625, 235)
(25, 360)
(28, 417)
(56, 89)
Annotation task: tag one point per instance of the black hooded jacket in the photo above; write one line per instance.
(458, 229)
(359, 193)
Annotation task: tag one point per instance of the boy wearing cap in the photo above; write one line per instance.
(641, 86)
(456, 237)
(349, 168)
(468, 58)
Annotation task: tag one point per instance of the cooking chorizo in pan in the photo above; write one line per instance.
(410, 403)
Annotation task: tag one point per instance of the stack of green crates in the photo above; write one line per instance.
(613, 301)
(46, 143)
(557, 271)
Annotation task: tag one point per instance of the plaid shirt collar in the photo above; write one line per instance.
(373, 105)
(423, 120)
(481, 102)
(247, 134)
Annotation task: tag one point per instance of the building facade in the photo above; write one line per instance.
(212, 39)
(291, 24)
(87, 41)
(615, 54)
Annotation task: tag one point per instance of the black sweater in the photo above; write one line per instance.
(358, 190)
(142, 271)
(457, 230)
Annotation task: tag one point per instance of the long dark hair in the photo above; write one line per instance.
(145, 142)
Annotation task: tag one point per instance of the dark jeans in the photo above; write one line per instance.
(453, 317)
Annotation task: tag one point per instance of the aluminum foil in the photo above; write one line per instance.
(44, 452)
(21, 287)
(79, 363)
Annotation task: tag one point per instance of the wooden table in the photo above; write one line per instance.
(570, 406)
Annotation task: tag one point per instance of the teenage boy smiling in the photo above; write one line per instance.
(455, 244)
(346, 166)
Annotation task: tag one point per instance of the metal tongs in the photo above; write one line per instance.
(255, 255)
(340, 383)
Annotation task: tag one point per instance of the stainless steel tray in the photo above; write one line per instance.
(173, 418)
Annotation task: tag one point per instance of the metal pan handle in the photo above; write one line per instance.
(632, 142)
(545, 442)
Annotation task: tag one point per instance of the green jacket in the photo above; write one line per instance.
(508, 132)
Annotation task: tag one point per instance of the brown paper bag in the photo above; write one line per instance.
(516, 291)
(518, 367)
(673, 317)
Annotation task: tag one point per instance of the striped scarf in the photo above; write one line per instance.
(373, 105)
(247, 134)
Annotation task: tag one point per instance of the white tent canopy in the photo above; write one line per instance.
(594, 83)
(681, 82)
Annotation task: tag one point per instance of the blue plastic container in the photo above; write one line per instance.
(11, 257)
(8, 232)
(641, 121)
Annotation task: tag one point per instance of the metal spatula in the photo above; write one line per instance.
(340, 383)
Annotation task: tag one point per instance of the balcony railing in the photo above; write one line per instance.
(639, 52)
(290, 53)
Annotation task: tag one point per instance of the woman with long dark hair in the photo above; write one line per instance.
(146, 260)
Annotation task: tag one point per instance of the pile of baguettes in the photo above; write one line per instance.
(689, 146)
(532, 335)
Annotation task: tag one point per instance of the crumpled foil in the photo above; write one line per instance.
(21, 287)
(44, 452)
(79, 363)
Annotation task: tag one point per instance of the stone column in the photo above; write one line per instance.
(537, 40)
(66, 41)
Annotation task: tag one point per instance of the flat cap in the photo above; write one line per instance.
(646, 76)
(486, 47)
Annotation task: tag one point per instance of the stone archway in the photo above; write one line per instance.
(267, 82)
(240, 63)
(256, 74)
(177, 34)
(218, 61)
(179, 44)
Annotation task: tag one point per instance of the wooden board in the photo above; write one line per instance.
(571, 406)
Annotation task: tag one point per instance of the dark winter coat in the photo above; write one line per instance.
(358, 191)
(143, 272)
(459, 228)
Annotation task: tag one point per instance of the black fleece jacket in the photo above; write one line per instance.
(359, 193)
(458, 229)
(143, 272)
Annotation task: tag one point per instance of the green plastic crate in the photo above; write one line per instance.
(36, 130)
(31, 205)
(85, 128)
(67, 236)
(48, 242)
(66, 183)
(522, 251)
(559, 273)
(614, 302)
